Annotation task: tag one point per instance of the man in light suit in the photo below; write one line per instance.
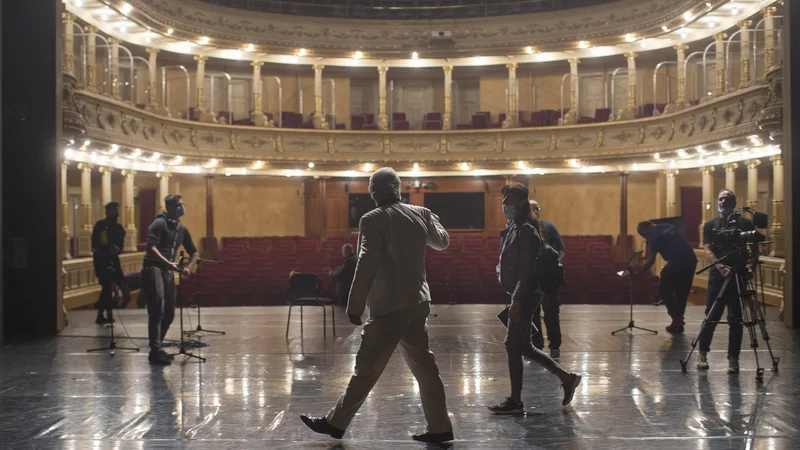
(390, 278)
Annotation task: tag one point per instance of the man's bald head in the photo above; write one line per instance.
(384, 185)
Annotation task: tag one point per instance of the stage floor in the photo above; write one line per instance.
(256, 383)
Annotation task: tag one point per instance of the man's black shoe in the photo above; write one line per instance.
(436, 438)
(100, 320)
(320, 425)
(159, 359)
(171, 357)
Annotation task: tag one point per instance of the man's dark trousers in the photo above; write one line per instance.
(552, 321)
(159, 287)
(675, 286)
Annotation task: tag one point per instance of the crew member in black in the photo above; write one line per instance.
(726, 203)
(550, 303)
(164, 237)
(108, 238)
(677, 275)
(343, 275)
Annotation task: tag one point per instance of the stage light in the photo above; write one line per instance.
(414, 55)
(358, 55)
(205, 40)
(464, 166)
(311, 165)
(664, 28)
(243, 171)
(522, 164)
(114, 148)
(529, 50)
(137, 152)
(643, 43)
(258, 164)
(170, 31)
(68, 153)
(687, 16)
(416, 167)
(368, 167)
(711, 24)
(78, 3)
(177, 160)
(156, 156)
(104, 17)
(123, 30)
(87, 143)
(583, 44)
(148, 39)
(684, 35)
(630, 38)
(304, 52)
(126, 8)
(656, 156)
(249, 48)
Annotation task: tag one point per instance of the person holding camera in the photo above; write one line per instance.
(550, 304)
(164, 236)
(678, 273)
(519, 248)
(108, 238)
(716, 247)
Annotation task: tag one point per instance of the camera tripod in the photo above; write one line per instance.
(179, 297)
(199, 328)
(752, 311)
(112, 345)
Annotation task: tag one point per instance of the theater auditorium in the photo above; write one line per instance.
(265, 120)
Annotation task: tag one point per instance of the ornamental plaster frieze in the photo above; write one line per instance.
(730, 117)
(275, 38)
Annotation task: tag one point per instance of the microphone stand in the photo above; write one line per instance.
(112, 345)
(199, 328)
(179, 287)
(631, 324)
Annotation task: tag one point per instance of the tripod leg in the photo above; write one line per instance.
(333, 319)
(711, 312)
(747, 316)
(288, 320)
(324, 323)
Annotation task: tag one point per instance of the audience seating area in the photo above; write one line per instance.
(256, 271)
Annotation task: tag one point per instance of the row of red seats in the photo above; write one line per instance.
(258, 268)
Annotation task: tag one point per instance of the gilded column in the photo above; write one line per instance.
(257, 115)
(319, 111)
(448, 105)
(752, 182)
(513, 115)
(680, 100)
(69, 42)
(129, 217)
(200, 79)
(672, 193)
(105, 192)
(163, 189)
(708, 194)
(115, 81)
(629, 111)
(91, 58)
(730, 176)
(769, 37)
(153, 75)
(85, 233)
(65, 218)
(383, 117)
(571, 117)
(777, 232)
(719, 55)
(744, 44)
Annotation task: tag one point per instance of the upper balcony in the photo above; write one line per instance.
(613, 28)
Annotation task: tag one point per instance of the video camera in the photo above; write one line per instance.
(732, 238)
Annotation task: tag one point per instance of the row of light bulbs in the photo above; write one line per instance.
(688, 17)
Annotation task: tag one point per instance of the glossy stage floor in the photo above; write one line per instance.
(256, 383)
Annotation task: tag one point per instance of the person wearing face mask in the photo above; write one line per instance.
(164, 237)
(726, 203)
(519, 247)
(108, 238)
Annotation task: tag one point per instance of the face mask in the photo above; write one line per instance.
(180, 211)
(113, 217)
(725, 211)
(510, 211)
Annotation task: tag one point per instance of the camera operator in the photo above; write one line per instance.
(716, 247)
(550, 303)
(677, 275)
(164, 236)
(108, 238)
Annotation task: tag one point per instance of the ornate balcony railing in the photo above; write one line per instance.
(605, 146)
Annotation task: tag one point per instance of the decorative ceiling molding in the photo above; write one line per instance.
(603, 30)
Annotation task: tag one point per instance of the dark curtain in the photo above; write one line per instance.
(691, 207)
(147, 212)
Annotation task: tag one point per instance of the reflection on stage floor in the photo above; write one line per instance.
(256, 383)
